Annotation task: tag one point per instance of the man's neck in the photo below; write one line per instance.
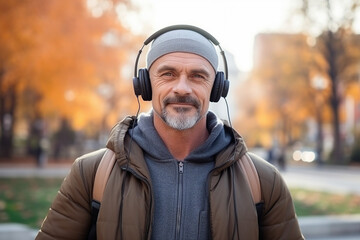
(181, 142)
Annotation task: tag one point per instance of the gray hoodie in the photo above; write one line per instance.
(180, 188)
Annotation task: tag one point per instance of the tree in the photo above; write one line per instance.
(333, 41)
(282, 90)
(55, 56)
(13, 41)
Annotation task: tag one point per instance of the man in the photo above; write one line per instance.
(177, 173)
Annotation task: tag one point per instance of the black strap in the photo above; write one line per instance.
(259, 209)
(95, 206)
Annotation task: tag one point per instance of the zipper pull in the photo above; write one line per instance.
(181, 167)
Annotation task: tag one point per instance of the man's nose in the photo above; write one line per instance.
(182, 85)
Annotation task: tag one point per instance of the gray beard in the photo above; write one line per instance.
(181, 121)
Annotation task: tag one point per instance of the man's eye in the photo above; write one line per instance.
(198, 76)
(167, 74)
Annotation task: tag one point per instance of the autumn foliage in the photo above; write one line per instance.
(290, 86)
(60, 61)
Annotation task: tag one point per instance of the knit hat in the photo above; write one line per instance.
(182, 41)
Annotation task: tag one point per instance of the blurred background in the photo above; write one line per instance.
(67, 66)
(66, 71)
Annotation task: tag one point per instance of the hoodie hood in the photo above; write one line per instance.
(146, 136)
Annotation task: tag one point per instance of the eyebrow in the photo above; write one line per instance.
(165, 68)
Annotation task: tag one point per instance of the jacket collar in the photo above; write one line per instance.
(121, 143)
(232, 153)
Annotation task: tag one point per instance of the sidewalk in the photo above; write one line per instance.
(26, 171)
(331, 227)
(313, 228)
(15, 231)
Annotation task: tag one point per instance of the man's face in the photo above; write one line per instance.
(181, 86)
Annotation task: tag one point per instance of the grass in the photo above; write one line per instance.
(27, 200)
(324, 203)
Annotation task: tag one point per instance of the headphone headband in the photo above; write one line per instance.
(183, 27)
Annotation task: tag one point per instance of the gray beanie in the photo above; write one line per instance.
(182, 41)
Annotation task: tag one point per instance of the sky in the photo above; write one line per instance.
(234, 23)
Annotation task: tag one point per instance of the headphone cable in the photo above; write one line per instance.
(132, 127)
(127, 169)
(228, 112)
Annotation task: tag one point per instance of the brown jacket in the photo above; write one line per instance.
(127, 206)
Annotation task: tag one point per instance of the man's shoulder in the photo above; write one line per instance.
(92, 156)
(265, 169)
(90, 161)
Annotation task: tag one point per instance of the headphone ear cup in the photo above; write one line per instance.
(217, 89)
(225, 90)
(137, 86)
(144, 85)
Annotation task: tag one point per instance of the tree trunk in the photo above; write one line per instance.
(320, 134)
(7, 111)
(335, 99)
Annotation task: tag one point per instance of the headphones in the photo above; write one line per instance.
(141, 79)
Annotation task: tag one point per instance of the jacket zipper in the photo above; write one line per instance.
(179, 202)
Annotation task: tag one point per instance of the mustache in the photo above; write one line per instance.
(182, 99)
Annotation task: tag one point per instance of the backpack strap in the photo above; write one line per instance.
(251, 176)
(102, 174)
(107, 162)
